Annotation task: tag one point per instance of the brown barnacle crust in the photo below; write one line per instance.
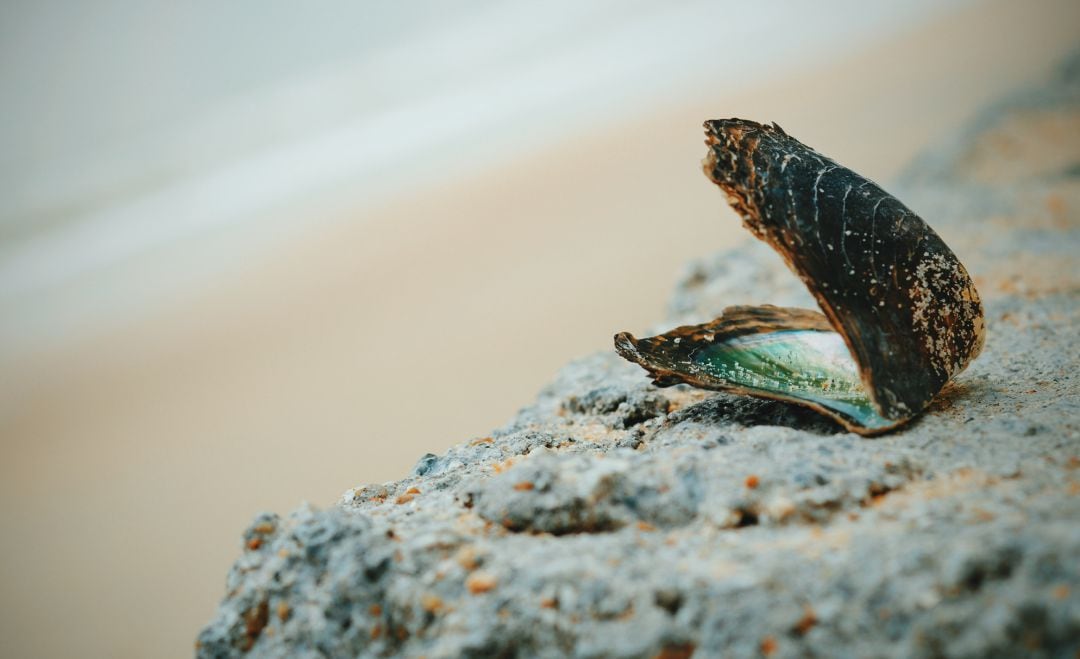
(906, 307)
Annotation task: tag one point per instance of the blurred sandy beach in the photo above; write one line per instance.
(134, 457)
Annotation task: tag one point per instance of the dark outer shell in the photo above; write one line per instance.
(890, 286)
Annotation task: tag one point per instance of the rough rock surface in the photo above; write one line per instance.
(614, 519)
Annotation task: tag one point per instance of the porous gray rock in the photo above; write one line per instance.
(614, 519)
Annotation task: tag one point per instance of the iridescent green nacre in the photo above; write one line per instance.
(811, 366)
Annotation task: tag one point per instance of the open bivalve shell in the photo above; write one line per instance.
(901, 314)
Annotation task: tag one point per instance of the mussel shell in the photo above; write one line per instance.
(889, 287)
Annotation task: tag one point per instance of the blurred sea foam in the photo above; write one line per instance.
(147, 148)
